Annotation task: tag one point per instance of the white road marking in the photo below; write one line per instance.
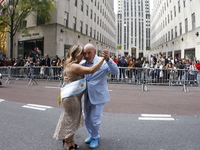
(155, 115)
(1, 100)
(38, 107)
(161, 117)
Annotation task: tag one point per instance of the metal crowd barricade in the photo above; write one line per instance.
(127, 75)
(155, 76)
(144, 79)
(31, 75)
(9, 80)
(198, 78)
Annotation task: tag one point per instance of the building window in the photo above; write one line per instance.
(168, 35)
(172, 35)
(184, 3)
(98, 20)
(94, 17)
(176, 31)
(74, 23)
(82, 4)
(90, 31)
(193, 21)
(75, 3)
(94, 34)
(86, 29)
(174, 11)
(40, 20)
(66, 16)
(186, 25)
(180, 28)
(87, 9)
(81, 26)
(23, 23)
(179, 7)
(91, 14)
(171, 15)
(168, 18)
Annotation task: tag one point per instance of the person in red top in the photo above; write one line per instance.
(114, 77)
(114, 59)
(197, 65)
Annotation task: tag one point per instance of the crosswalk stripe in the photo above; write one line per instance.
(161, 117)
(155, 115)
(34, 107)
(37, 107)
(1, 100)
(43, 106)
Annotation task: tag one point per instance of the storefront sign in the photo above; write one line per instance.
(30, 35)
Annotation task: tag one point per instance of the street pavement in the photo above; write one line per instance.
(163, 118)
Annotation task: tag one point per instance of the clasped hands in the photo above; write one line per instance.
(105, 54)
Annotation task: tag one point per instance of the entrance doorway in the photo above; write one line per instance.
(190, 53)
(25, 47)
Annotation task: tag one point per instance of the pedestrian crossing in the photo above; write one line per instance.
(142, 117)
(37, 107)
(156, 117)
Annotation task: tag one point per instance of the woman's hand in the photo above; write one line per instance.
(66, 79)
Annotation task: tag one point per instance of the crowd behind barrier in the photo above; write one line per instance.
(130, 75)
(154, 70)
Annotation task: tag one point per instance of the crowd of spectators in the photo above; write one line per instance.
(41, 63)
(160, 68)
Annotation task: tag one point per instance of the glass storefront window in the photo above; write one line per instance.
(26, 47)
(189, 54)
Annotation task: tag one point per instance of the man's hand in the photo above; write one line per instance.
(106, 54)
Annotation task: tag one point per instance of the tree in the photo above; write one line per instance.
(148, 48)
(119, 47)
(12, 12)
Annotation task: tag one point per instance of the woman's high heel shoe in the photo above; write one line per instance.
(75, 145)
(71, 147)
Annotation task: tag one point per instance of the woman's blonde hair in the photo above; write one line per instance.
(74, 51)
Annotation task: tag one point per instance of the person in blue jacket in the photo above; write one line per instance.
(97, 93)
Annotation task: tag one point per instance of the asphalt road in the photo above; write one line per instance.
(125, 98)
(124, 124)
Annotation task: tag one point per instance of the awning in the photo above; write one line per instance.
(32, 38)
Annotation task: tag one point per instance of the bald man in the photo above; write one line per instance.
(97, 93)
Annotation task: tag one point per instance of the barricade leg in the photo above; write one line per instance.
(32, 82)
(9, 80)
